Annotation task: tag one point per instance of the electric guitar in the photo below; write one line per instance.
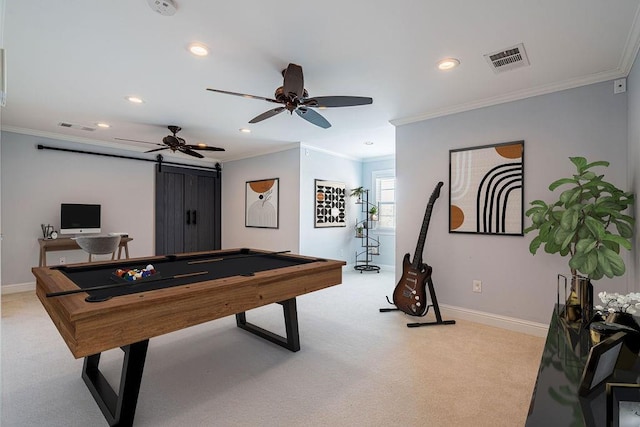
(410, 295)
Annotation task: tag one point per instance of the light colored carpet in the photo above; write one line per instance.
(357, 367)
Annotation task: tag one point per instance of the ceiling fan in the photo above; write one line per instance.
(294, 97)
(175, 143)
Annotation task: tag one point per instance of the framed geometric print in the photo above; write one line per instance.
(486, 189)
(261, 203)
(330, 204)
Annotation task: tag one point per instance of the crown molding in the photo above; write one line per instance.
(514, 96)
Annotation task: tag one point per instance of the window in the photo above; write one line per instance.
(385, 186)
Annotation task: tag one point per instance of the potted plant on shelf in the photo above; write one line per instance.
(588, 224)
(357, 192)
(359, 229)
(373, 213)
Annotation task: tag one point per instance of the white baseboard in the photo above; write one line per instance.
(18, 287)
(510, 323)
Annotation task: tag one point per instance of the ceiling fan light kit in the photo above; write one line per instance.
(294, 97)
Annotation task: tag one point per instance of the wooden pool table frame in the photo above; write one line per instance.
(129, 321)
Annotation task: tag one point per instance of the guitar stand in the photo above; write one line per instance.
(435, 306)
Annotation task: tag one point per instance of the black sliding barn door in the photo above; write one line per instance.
(188, 210)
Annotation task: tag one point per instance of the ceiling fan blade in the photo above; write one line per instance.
(267, 114)
(313, 117)
(156, 149)
(203, 147)
(293, 81)
(185, 150)
(135, 140)
(336, 101)
(244, 95)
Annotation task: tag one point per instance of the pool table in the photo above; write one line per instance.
(95, 310)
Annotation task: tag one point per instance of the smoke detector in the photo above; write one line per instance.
(163, 7)
(507, 59)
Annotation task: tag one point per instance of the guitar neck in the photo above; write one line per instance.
(417, 256)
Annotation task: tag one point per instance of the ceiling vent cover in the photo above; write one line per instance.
(508, 59)
(74, 126)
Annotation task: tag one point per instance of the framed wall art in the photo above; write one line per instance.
(623, 404)
(261, 203)
(601, 363)
(330, 205)
(486, 186)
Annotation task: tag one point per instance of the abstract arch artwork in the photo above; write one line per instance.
(486, 189)
(261, 203)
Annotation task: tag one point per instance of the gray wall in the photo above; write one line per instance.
(588, 121)
(35, 182)
(284, 165)
(331, 242)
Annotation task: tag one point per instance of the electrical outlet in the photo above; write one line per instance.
(63, 260)
(477, 286)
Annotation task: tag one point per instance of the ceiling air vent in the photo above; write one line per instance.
(78, 127)
(508, 59)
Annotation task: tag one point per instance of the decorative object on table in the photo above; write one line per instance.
(601, 363)
(623, 404)
(578, 297)
(47, 230)
(409, 294)
(619, 308)
(486, 189)
(586, 223)
(330, 208)
(262, 203)
(616, 314)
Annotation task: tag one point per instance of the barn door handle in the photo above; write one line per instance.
(188, 217)
(194, 217)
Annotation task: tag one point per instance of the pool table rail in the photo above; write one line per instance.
(90, 328)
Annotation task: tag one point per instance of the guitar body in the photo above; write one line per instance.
(410, 294)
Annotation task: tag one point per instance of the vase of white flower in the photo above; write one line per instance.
(619, 308)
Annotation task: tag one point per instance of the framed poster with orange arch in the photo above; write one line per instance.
(261, 203)
(486, 191)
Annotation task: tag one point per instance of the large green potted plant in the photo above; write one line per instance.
(587, 223)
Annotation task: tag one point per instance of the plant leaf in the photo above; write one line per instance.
(619, 240)
(562, 181)
(580, 163)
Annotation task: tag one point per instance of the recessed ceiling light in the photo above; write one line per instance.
(448, 63)
(103, 125)
(198, 49)
(245, 130)
(134, 99)
(368, 143)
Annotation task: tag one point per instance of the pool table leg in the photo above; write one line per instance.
(118, 409)
(291, 341)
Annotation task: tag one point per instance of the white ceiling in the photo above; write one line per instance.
(75, 61)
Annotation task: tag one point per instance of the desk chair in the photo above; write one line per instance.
(97, 245)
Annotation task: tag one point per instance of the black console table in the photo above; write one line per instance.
(555, 400)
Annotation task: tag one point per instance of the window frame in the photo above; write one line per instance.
(375, 176)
